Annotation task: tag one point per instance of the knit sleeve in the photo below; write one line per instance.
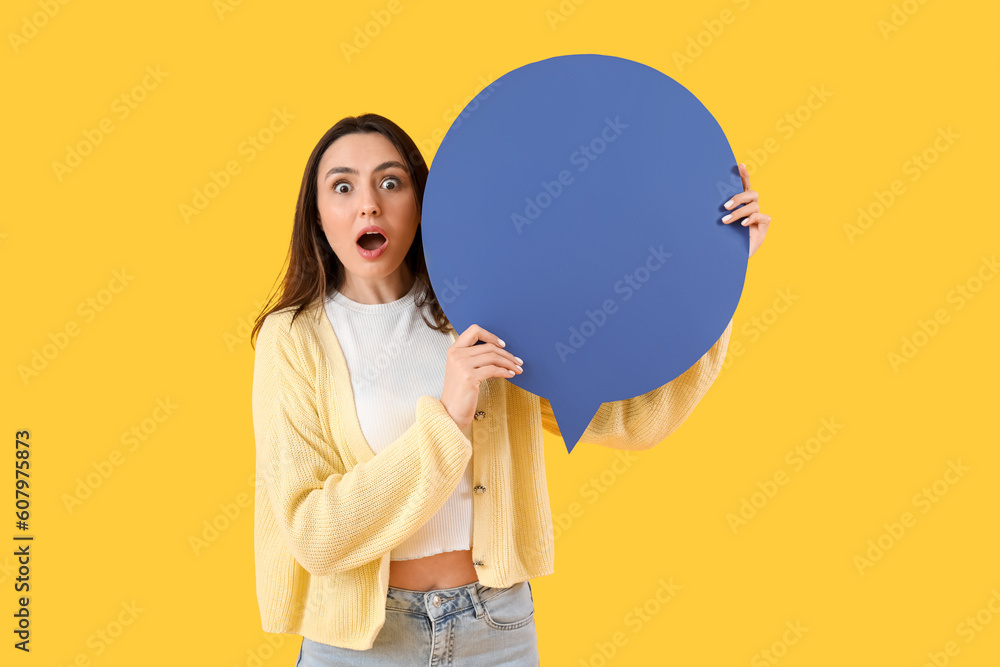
(646, 420)
(332, 519)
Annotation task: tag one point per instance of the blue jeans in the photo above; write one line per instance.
(465, 626)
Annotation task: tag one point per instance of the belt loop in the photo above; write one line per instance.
(476, 602)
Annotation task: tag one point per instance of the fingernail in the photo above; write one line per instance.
(520, 362)
(744, 223)
(727, 217)
(728, 203)
(502, 344)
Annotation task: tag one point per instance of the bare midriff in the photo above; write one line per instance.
(444, 570)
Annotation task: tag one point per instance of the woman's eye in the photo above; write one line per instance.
(394, 180)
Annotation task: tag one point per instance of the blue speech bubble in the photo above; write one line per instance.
(575, 211)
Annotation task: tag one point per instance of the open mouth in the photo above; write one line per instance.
(371, 240)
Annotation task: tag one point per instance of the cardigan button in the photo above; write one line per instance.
(479, 415)
(477, 563)
(479, 488)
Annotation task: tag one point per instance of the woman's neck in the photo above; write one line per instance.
(383, 290)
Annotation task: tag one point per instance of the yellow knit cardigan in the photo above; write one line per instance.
(327, 510)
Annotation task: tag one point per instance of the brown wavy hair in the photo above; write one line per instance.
(314, 271)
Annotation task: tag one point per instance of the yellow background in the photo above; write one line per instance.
(177, 330)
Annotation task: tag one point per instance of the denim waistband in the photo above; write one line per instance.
(440, 602)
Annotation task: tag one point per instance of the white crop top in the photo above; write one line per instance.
(394, 358)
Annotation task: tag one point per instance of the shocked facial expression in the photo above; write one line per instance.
(367, 204)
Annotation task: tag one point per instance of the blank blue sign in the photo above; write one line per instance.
(573, 209)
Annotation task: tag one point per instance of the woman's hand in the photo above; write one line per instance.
(468, 365)
(757, 221)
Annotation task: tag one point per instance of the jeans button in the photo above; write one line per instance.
(437, 601)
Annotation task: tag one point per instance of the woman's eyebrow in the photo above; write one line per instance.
(388, 164)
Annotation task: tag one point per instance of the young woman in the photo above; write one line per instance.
(401, 506)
